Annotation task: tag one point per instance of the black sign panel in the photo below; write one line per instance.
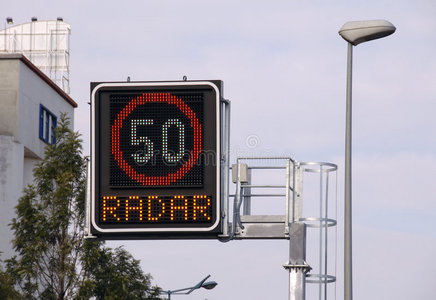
(155, 159)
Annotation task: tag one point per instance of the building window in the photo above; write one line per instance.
(47, 125)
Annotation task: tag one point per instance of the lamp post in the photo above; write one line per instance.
(185, 291)
(355, 32)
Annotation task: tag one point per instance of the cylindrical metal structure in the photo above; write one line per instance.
(297, 266)
(319, 215)
(297, 284)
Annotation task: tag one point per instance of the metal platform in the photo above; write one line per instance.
(284, 184)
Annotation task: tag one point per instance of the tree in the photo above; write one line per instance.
(54, 261)
(116, 275)
(7, 290)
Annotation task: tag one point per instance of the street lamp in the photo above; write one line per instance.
(354, 33)
(185, 291)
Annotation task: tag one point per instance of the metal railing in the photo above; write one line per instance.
(315, 212)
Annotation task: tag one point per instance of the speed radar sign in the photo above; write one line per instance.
(155, 165)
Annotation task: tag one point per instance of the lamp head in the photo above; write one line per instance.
(356, 32)
(209, 285)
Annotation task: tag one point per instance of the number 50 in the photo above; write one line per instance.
(169, 156)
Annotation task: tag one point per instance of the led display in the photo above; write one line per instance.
(156, 159)
(156, 139)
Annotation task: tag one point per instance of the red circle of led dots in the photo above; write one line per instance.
(118, 124)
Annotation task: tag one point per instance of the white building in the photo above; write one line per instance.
(30, 104)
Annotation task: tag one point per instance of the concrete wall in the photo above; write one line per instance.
(9, 83)
(11, 187)
(22, 90)
(32, 93)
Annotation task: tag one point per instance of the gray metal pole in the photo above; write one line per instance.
(297, 265)
(297, 284)
(348, 270)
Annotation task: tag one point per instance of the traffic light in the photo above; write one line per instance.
(155, 159)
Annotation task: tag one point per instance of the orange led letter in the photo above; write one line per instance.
(180, 207)
(201, 209)
(110, 209)
(151, 209)
(134, 208)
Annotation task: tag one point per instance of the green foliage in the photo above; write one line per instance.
(54, 261)
(7, 290)
(117, 275)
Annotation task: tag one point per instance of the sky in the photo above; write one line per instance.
(283, 65)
